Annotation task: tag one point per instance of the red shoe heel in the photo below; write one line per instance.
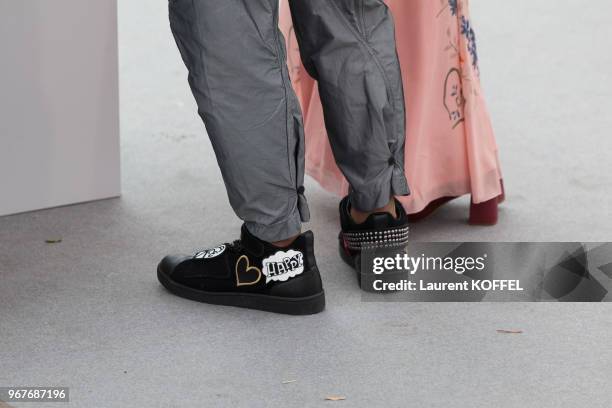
(484, 213)
(431, 207)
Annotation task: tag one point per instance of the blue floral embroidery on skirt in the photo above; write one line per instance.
(470, 35)
(453, 7)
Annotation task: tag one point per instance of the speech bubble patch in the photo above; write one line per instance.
(283, 265)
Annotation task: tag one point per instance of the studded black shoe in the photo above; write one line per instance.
(365, 246)
(249, 273)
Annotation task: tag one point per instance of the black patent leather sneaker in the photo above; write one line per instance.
(365, 246)
(249, 273)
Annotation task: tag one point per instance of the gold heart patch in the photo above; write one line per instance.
(246, 275)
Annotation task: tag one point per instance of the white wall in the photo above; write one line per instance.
(59, 110)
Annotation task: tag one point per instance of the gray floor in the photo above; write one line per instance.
(88, 312)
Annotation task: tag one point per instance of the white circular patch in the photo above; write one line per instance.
(210, 253)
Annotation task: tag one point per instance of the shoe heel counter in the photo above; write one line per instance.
(311, 260)
(308, 248)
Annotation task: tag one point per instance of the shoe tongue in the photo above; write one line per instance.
(251, 243)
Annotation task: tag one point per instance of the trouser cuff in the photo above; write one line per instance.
(377, 195)
(278, 231)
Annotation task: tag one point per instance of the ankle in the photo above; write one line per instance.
(361, 216)
(286, 242)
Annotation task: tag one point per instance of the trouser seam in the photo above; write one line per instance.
(292, 172)
(368, 48)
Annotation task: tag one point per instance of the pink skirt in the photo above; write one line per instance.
(450, 144)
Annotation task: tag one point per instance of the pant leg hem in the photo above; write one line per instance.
(399, 184)
(378, 195)
(279, 231)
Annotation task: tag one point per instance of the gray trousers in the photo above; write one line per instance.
(235, 55)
